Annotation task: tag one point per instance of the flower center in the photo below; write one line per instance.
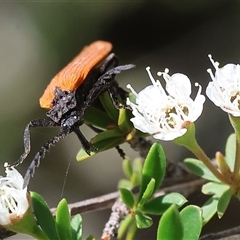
(174, 116)
(235, 99)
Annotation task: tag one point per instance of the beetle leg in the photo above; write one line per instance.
(26, 137)
(106, 80)
(41, 154)
(88, 147)
(114, 96)
(111, 60)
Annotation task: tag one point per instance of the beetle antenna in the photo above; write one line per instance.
(41, 154)
(27, 139)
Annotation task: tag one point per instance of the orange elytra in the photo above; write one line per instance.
(71, 77)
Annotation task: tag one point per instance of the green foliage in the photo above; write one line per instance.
(220, 191)
(127, 197)
(154, 168)
(224, 201)
(145, 203)
(170, 226)
(230, 151)
(160, 204)
(142, 220)
(191, 217)
(76, 227)
(61, 227)
(63, 220)
(182, 226)
(44, 216)
(198, 168)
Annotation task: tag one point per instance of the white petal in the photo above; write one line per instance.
(13, 199)
(163, 115)
(224, 90)
(179, 85)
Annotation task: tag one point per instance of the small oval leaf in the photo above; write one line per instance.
(192, 222)
(142, 220)
(127, 197)
(223, 202)
(63, 220)
(213, 188)
(170, 226)
(127, 168)
(230, 151)
(160, 204)
(154, 167)
(124, 183)
(198, 168)
(103, 145)
(94, 116)
(147, 193)
(44, 216)
(124, 123)
(76, 226)
(209, 209)
(110, 109)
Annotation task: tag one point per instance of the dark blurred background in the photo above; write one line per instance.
(37, 39)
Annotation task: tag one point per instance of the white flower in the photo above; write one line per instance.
(161, 114)
(224, 90)
(13, 198)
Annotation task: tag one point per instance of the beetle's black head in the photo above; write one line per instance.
(71, 121)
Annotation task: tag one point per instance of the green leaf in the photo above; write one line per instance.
(63, 220)
(159, 205)
(127, 197)
(44, 216)
(142, 220)
(209, 208)
(230, 151)
(124, 123)
(136, 177)
(94, 116)
(137, 165)
(102, 145)
(82, 155)
(124, 183)
(192, 222)
(154, 167)
(76, 225)
(109, 107)
(127, 168)
(213, 188)
(131, 233)
(147, 193)
(199, 169)
(128, 223)
(170, 226)
(108, 134)
(224, 202)
(90, 237)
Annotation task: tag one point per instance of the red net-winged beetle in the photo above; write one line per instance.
(70, 93)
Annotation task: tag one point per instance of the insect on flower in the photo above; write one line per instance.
(70, 93)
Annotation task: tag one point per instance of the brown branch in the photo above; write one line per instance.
(99, 203)
(229, 234)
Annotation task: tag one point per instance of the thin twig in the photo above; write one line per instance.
(229, 234)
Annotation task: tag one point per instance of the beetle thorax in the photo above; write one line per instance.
(63, 102)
